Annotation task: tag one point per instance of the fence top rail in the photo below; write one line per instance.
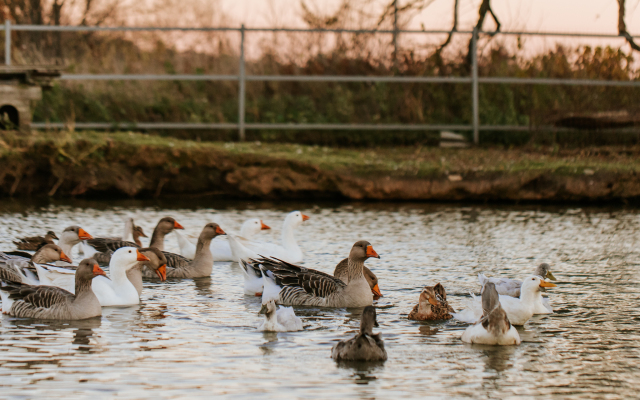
(82, 28)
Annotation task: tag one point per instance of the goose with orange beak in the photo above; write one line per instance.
(26, 270)
(519, 310)
(201, 265)
(294, 285)
(118, 290)
(341, 269)
(54, 303)
(220, 247)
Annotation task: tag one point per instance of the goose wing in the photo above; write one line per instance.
(313, 282)
(34, 297)
(109, 244)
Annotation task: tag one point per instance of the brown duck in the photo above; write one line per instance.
(432, 305)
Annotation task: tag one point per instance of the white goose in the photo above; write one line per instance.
(118, 290)
(289, 251)
(511, 287)
(277, 319)
(518, 310)
(220, 247)
(71, 236)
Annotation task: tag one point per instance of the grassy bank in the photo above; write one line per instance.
(140, 165)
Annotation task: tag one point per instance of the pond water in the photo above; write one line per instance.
(198, 338)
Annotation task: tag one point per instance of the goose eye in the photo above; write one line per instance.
(129, 251)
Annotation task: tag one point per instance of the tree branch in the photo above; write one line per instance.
(622, 27)
(454, 28)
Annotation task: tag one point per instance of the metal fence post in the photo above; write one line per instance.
(7, 42)
(474, 86)
(241, 88)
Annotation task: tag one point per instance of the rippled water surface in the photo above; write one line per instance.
(198, 338)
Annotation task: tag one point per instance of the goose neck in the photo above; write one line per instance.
(157, 239)
(355, 269)
(288, 235)
(82, 285)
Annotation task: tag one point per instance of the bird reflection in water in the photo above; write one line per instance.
(428, 330)
(362, 371)
(83, 330)
(203, 286)
(498, 358)
(271, 340)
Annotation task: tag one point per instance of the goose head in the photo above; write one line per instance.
(369, 320)
(50, 253)
(74, 235)
(126, 258)
(50, 236)
(167, 225)
(534, 284)
(210, 231)
(372, 279)
(362, 250)
(138, 232)
(295, 219)
(88, 269)
(252, 226)
(157, 262)
(544, 271)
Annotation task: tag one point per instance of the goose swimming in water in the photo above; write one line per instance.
(365, 346)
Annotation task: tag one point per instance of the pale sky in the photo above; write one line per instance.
(597, 16)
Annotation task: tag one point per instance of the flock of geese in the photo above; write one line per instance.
(46, 285)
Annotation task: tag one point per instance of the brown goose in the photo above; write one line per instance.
(33, 243)
(50, 302)
(432, 305)
(365, 346)
(22, 269)
(157, 263)
(293, 285)
(341, 273)
(202, 264)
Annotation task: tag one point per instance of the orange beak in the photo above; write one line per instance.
(162, 272)
(176, 225)
(433, 301)
(304, 217)
(371, 252)
(219, 231)
(98, 271)
(376, 290)
(82, 234)
(264, 227)
(141, 257)
(64, 257)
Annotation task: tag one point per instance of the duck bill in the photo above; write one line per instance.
(98, 271)
(65, 258)
(264, 226)
(371, 252)
(219, 231)
(305, 217)
(83, 235)
(54, 236)
(433, 301)
(176, 225)
(376, 291)
(141, 257)
(550, 276)
(162, 272)
(142, 234)
(263, 309)
(547, 284)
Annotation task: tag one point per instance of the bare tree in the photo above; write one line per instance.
(485, 7)
(622, 26)
(454, 28)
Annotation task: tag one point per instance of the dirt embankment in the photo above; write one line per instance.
(107, 167)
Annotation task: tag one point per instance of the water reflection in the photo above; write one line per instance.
(362, 372)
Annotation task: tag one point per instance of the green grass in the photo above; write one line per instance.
(76, 147)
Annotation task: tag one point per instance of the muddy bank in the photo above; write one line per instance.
(102, 166)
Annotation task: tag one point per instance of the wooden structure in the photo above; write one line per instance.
(20, 87)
